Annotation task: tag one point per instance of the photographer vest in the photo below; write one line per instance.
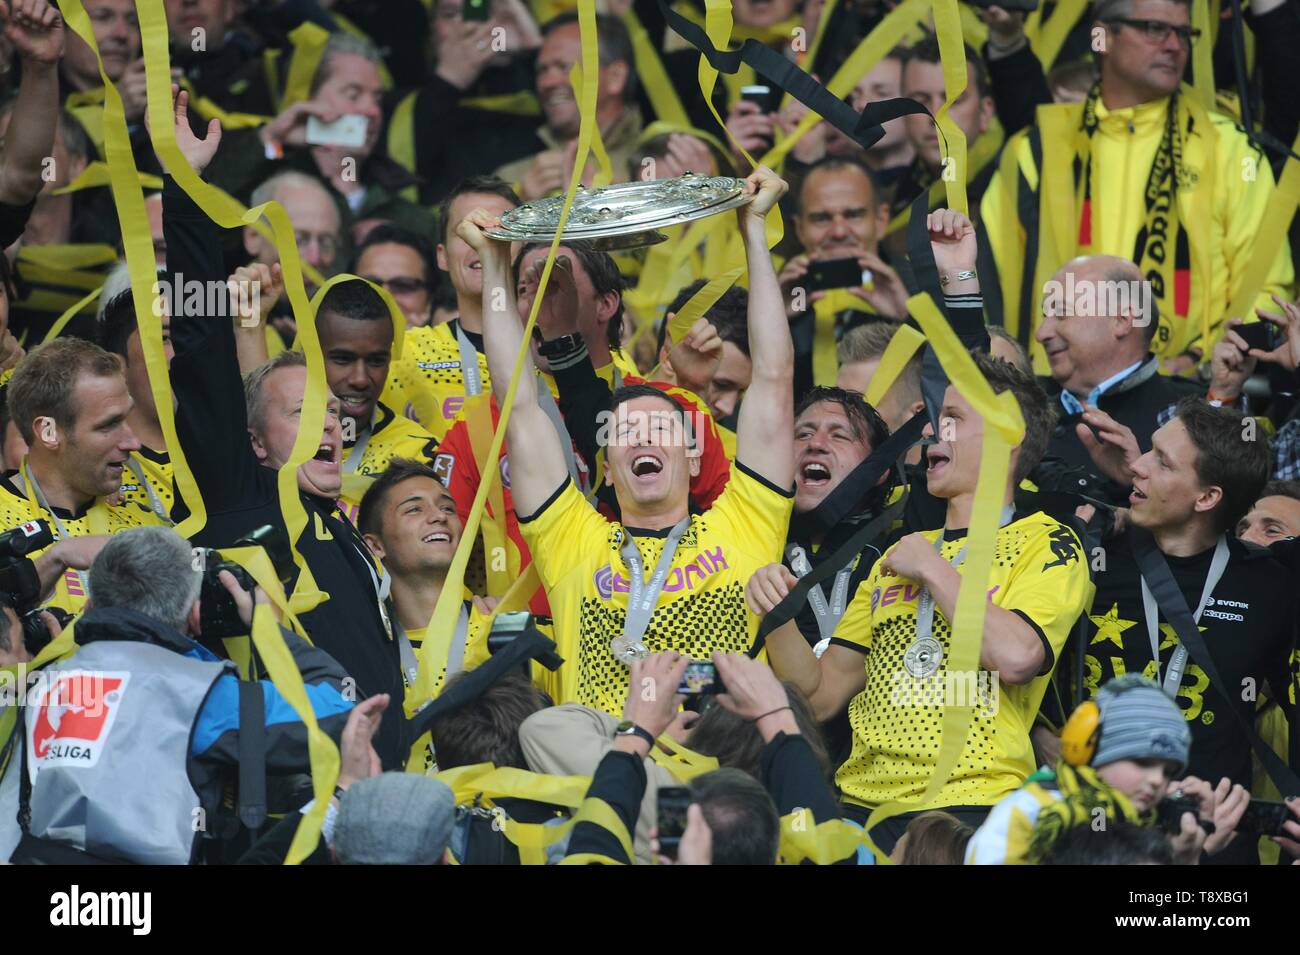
(107, 747)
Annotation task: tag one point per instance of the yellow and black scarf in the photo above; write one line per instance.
(1161, 229)
(1082, 794)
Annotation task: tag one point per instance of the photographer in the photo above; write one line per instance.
(143, 723)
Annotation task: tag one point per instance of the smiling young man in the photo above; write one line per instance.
(409, 521)
(887, 658)
(1204, 470)
(442, 365)
(70, 402)
(688, 570)
(1274, 516)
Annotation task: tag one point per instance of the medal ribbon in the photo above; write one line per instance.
(642, 594)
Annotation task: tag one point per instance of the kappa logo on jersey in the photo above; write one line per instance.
(1212, 603)
(1064, 546)
(74, 717)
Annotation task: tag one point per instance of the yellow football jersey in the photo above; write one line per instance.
(421, 758)
(427, 383)
(16, 508)
(701, 607)
(391, 436)
(147, 482)
(1040, 573)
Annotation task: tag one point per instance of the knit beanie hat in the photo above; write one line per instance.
(1139, 721)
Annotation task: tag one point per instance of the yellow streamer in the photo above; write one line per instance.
(61, 322)
(309, 42)
(1004, 427)
(905, 343)
(1203, 54)
(444, 614)
(952, 52)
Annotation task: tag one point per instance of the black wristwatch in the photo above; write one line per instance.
(563, 345)
(628, 728)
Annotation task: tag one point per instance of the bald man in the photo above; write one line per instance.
(1099, 318)
(314, 215)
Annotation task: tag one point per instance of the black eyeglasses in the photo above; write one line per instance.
(1157, 31)
(400, 285)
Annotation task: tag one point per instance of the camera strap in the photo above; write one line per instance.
(1156, 574)
(863, 128)
(252, 754)
(789, 607)
(642, 594)
(1178, 661)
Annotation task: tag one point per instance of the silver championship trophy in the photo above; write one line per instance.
(628, 215)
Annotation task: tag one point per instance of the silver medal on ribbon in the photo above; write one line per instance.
(628, 650)
(924, 657)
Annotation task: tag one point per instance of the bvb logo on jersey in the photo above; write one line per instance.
(1064, 547)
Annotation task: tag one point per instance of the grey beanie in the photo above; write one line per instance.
(1139, 721)
(394, 819)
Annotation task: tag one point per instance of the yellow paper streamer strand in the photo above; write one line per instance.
(445, 613)
(897, 354)
(952, 52)
(1004, 427)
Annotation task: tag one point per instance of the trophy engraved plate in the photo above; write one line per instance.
(624, 216)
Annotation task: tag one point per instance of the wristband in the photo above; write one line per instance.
(770, 712)
(960, 276)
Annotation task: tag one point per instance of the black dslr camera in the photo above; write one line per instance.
(1170, 810)
(19, 582)
(218, 613)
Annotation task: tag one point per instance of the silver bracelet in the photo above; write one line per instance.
(961, 276)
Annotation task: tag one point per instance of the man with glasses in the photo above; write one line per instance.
(402, 262)
(313, 213)
(1140, 170)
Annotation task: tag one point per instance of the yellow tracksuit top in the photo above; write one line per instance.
(1222, 223)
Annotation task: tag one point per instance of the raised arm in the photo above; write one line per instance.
(764, 430)
(36, 31)
(211, 419)
(537, 466)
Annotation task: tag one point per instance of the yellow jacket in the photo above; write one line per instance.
(1033, 232)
